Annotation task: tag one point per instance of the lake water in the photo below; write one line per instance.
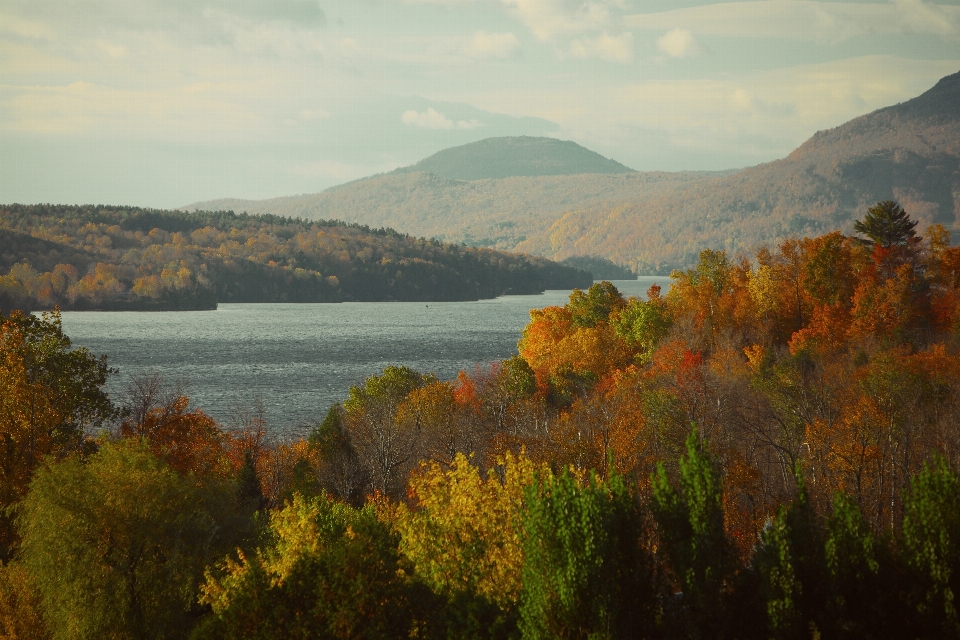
(301, 358)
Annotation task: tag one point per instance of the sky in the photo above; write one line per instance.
(162, 103)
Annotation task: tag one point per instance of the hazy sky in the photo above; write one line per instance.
(165, 102)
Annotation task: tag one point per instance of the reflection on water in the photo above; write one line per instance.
(301, 358)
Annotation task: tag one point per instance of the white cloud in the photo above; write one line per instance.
(433, 119)
(806, 19)
(606, 47)
(679, 43)
(549, 19)
(492, 45)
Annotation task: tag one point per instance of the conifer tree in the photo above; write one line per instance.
(887, 225)
(690, 525)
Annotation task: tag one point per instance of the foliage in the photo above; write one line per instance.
(559, 492)
(339, 472)
(931, 536)
(116, 545)
(129, 258)
(691, 529)
(329, 571)
(51, 397)
(593, 306)
(20, 610)
(383, 443)
(585, 574)
(887, 225)
(643, 324)
(463, 535)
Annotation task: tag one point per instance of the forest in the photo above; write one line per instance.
(109, 258)
(767, 450)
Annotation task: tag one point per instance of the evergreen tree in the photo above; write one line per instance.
(863, 589)
(690, 523)
(793, 569)
(584, 573)
(887, 225)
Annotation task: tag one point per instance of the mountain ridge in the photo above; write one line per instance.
(653, 221)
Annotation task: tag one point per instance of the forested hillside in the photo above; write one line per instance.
(512, 157)
(652, 222)
(769, 450)
(499, 213)
(128, 258)
(909, 152)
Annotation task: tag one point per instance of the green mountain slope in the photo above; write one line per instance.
(515, 156)
(656, 220)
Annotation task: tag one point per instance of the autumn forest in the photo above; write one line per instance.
(769, 449)
(127, 258)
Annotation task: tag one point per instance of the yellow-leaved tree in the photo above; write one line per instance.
(463, 532)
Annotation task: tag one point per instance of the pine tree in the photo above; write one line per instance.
(887, 225)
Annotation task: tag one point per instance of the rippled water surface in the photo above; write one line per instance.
(301, 358)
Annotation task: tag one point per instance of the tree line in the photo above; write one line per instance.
(95, 257)
(767, 450)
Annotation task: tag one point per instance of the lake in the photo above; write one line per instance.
(301, 358)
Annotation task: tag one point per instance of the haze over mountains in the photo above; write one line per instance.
(557, 199)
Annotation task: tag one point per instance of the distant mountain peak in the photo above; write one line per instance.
(943, 99)
(515, 156)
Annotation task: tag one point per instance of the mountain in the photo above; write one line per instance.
(653, 221)
(909, 152)
(498, 213)
(515, 156)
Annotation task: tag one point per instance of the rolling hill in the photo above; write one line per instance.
(653, 221)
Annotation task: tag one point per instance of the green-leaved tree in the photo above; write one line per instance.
(116, 545)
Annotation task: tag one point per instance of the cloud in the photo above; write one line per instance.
(738, 119)
(806, 19)
(782, 106)
(433, 119)
(25, 28)
(679, 43)
(606, 47)
(492, 45)
(194, 112)
(549, 19)
(115, 51)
